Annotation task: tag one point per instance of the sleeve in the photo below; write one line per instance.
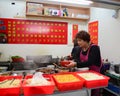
(75, 53)
(94, 57)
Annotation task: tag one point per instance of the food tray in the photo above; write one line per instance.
(10, 91)
(94, 83)
(70, 85)
(35, 90)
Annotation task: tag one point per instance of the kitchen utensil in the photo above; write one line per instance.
(56, 65)
(60, 67)
(12, 81)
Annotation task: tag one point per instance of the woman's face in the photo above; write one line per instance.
(81, 43)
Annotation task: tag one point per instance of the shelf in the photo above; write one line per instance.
(57, 17)
(62, 12)
(113, 89)
(112, 92)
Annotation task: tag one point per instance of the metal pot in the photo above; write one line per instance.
(117, 68)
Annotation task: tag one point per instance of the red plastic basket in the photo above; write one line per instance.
(95, 83)
(10, 91)
(18, 59)
(69, 85)
(35, 90)
(65, 63)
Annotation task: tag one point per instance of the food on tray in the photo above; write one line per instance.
(64, 78)
(90, 76)
(38, 82)
(62, 71)
(10, 83)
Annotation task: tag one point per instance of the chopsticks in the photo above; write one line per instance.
(7, 81)
(12, 81)
(60, 66)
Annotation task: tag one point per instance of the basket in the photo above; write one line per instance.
(35, 90)
(64, 63)
(71, 85)
(94, 83)
(10, 91)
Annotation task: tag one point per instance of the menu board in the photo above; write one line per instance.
(93, 31)
(21, 31)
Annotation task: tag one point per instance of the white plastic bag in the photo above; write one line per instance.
(38, 79)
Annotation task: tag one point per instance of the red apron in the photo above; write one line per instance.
(84, 58)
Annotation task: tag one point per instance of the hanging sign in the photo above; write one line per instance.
(93, 31)
(74, 30)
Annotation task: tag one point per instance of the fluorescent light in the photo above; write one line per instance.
(82, 2)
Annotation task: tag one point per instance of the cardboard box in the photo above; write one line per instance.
(34, 9)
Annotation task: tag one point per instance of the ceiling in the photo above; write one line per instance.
(110, 4)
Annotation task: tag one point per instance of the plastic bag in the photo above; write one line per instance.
(38, 79)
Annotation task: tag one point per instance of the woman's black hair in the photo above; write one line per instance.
(83, 35)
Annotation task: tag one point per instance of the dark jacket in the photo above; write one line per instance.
(94, 56)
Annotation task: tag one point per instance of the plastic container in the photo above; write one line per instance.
(18, 59)
(10, 91)
(69, 85)
(103, 82)
(36, 90)
(105, 67)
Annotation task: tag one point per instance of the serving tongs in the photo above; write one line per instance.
(59, 67)
(56, 65)
(4, 81)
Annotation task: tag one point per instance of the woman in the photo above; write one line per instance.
(75, 48)
(86, 55)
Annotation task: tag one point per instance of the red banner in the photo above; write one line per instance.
(93, 31)
(74, 30)
(20, 31)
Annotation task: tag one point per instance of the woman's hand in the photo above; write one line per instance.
(72, 64)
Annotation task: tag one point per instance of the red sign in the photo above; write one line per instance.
(20, 31)
(93, 31)
(74, 30)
